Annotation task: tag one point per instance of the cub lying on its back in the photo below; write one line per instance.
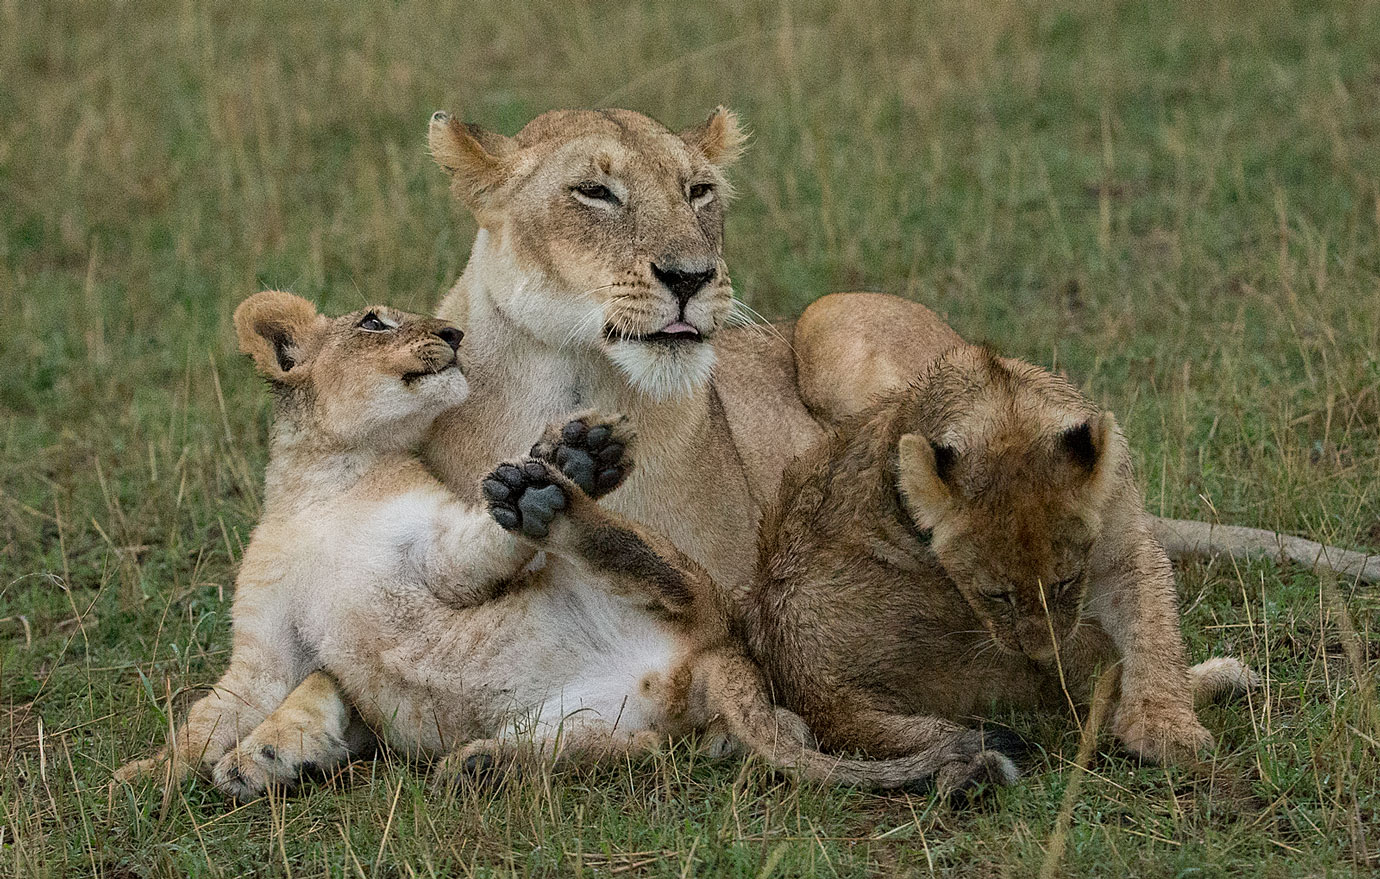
(368, 573)
(976, 538)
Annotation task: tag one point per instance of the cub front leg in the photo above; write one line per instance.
(313, 729)
(1137, 606)
(533, 498)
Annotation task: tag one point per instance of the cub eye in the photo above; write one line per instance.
(1065, 584)
(701, 192)
(1000, 596)
(372, 323)
(594, 192)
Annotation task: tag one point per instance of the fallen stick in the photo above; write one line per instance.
(1185, 537)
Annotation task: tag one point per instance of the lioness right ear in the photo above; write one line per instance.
(475, 159)
(922, 474)
(278, 330)
(720, 138)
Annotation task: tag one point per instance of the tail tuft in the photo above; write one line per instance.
(1221, 678)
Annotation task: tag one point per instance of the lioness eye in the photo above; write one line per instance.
(595, 192)
(701, 192)
(372, 323)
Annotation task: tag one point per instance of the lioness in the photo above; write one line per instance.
(365, 568)
(975, 539)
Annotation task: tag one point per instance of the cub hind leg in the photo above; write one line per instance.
(314, 729)
(252, 686)
(902, 750)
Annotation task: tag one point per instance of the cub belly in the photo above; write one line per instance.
(428, 678)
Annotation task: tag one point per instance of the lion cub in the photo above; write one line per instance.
(369, 587)
(977, 538)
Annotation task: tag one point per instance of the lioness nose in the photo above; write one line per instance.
(451, 336)
(683, 280)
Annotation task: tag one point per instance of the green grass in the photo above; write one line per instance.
(1178, 203)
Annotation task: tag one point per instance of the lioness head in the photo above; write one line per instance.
(377, 376)
(1009, 472)
(610, 228)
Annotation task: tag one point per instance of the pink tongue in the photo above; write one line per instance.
(679, 327)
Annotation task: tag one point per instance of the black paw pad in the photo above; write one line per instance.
(480, 764)
(591, 457)
(523, 498)
(578, 465)
(574, 433)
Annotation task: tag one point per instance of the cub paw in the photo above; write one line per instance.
(240, 778)
(525, 497)
(1161, 734)
(1220, 679)
(276, 758)
(481, 763)
(591, 450)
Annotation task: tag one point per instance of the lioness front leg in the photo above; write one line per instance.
(313, 729)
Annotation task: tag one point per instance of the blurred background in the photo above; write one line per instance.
(1177, 203)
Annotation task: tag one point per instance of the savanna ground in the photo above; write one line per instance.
(1177, 203)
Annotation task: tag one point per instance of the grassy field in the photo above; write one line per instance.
(1178, 203)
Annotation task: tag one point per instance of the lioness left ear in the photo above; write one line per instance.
(1094, 447)
(922, 475)
(719, 138)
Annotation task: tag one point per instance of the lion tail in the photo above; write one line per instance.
(737, 691)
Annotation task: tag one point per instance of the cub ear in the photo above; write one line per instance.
(923, 473)
(475, 159)
(1095, 447)
(278, 330)
(720, 137)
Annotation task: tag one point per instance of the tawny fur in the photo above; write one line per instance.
(559, 294)
(369, 585)
(974, 540)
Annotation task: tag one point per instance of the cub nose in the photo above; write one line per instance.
(451, 336)
(682, 279)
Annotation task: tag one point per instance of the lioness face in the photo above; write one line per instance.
(376, 376)
(1013, 522)
(616, 227)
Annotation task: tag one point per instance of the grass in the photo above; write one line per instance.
(1177, 203)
